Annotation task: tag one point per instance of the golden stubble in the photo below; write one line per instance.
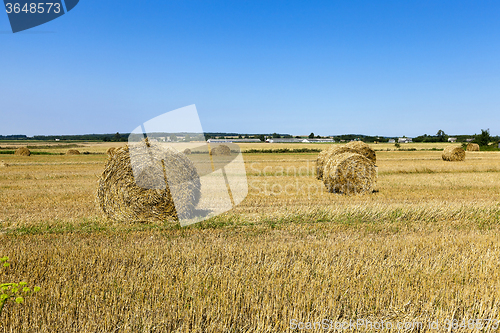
(422, 248)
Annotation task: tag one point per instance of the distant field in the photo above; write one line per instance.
(424, 247)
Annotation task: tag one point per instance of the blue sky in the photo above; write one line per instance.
(330, 67)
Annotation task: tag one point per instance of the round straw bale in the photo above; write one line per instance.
(320, 161)
(3, 164)
(220, 150)
(473, 147)
(73, 152)
(363, 149)
(110, 151)
(148, 197)
(349, 173)
(22, 151)
(186, 151)
(325, 155)
(453, 153)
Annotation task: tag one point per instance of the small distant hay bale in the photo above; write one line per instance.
(220, 150)
(453, 153)
(349, 173)
(473, 147)
(162, 172)
(3, 164)
(22, 151)
(73, 152)
(363, 149)
(186, 151)
(327, 154)
(110, 151)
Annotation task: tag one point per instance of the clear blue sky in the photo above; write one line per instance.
(330, 67)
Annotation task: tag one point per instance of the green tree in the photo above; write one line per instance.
(173, 138)
(262, 137)
(311, 136)
(484, 138)
(187, 138)
(117, 137)
(441, 136)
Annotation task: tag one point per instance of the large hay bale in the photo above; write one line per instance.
(73, 152)
(349, 173)
(110, 151)
(453, 153)
(186, 151)
(473, 147)
(363, 149)
(320, 163)
(325, 155)
(220, 150)
(22, 151)
(164, 174)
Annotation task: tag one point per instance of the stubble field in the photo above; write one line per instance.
(423, 248)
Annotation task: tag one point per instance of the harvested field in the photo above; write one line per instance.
(422, 248)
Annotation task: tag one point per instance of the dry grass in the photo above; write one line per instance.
(255, 279)
(425, 247)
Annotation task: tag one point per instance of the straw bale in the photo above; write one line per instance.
(473, 147)
(22, 151)
(453, 154)
(110, 151)
(220, 150)
(325, 155)
(349, 173)
(163, 174)
(363, 149)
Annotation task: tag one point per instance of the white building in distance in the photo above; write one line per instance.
(405, 140)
